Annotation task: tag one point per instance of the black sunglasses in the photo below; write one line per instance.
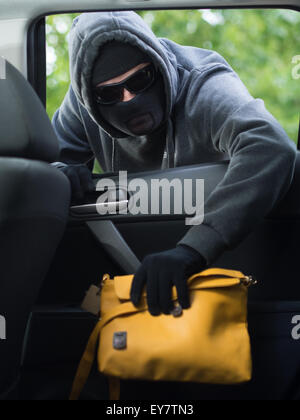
(137, 83)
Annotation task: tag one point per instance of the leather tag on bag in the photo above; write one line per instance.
(120, 340)
(91, 302)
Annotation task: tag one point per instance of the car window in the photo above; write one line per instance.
(262, 46)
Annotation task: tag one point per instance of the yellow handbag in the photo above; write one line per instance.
(207, 343)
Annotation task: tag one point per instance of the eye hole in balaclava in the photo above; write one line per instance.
(145, 113)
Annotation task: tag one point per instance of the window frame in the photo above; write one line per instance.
(36, 42)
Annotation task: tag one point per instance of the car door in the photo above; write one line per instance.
(116, 243)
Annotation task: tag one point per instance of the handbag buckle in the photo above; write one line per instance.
(249, 281)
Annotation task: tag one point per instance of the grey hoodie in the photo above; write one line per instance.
(211, 117)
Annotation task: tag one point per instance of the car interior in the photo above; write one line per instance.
(53, 251)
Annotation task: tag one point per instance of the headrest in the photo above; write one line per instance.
(25, 129)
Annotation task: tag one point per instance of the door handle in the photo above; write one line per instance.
(110, 207)
(116, 201)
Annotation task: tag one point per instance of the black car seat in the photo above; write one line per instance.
(34, 203)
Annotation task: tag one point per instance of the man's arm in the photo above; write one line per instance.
(223, 115)
(262, 160)
(73, 142)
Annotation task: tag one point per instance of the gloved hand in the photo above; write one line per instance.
(160, 272)
(80, 178)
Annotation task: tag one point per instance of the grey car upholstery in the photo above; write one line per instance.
(34, 203)
(25, 127)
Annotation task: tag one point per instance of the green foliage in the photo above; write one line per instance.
(258, 44)
(58, 76)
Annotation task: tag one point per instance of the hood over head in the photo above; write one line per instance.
(116, 58)
(90, 31)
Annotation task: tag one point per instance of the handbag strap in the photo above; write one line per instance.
(87, 360)
(85, 365)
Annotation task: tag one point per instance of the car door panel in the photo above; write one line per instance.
(84, 257)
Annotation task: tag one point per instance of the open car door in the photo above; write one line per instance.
(116, 243)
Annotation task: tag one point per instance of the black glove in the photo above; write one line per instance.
(80, 178)
(160, 272)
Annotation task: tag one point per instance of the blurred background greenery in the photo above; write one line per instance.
(258, 44)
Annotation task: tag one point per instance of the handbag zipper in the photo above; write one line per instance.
(247, 281)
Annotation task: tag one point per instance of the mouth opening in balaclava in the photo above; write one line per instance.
(145, 113)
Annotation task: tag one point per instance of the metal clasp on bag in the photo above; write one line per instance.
(249, 281)
(105, 278)
(177, 311)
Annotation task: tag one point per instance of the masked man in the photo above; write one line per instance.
(138, 103)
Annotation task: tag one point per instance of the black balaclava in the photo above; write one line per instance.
(145, 113)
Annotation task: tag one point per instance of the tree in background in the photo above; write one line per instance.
(258, 44)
